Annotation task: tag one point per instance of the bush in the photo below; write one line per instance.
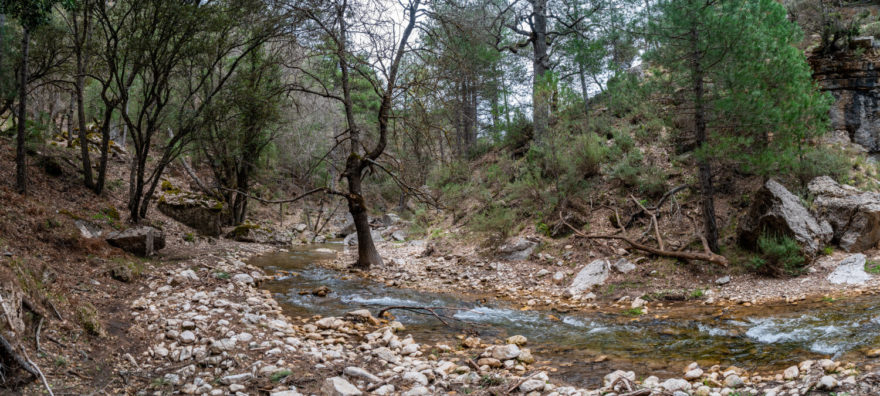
(497, 221)
(821, 162)
(778, 255)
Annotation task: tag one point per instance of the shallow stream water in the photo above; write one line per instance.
(766, 337)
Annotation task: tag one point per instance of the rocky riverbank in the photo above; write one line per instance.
(210, 329)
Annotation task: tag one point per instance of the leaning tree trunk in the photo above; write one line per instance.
(367, 253)
(20, 153)
(705, 168)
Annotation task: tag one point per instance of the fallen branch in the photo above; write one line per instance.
(430, 311)
(42, 377)
(708, 256)
(7, 350)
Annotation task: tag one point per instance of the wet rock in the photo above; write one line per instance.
(594, 273)
(776, 210)
(321, 291)
(517, 340)
(517, 249)
(850, 271)
(338, 386)
(143, 241)
(854, 215)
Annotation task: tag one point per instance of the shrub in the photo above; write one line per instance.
(821, 162)
(778, 255)
(87, 315)
(496, 220)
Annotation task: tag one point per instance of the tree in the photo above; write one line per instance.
(335, 22)
(166, 61)
(30, 14)
(530, 26)
(750, 93)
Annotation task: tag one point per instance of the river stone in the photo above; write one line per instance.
(559, 277)
(733, 381)
(693, 374)
(236, 379)
(676, 384)
(517, 249)
(417, 391)
(415, 377)
(384, 390)
(723, 280)
(827, 382)
(776, 210)
(338, 386)
(592, 274)
(361, 373)
(187, 337)
(505, 352)
(611, 377)
(532, 385)
(517, 340)
(854, 215)
(243, 278)
(850, 271)
(791, 373)
(386, 355)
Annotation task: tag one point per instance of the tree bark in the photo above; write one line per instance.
(80, 96)
(583, 77)
(540, 66)
(705, 168)
(21, 181)
(71, 108)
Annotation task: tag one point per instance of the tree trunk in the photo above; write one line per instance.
(136, 188)
(70, 109)
(367, 253)
(80, 101)
(540, 66)
(705, 168)
(583, 76)
(105, 150)
(20, 153)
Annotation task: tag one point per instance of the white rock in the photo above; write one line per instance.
(693, 374)
(676, 384)
(505, 352)
(827, 382)
(243, 278)
(187, 337)
(850, 271)
(236, 378)
(611, 377)
(415, 377)
(791, 373)
(338, 386)
(417, 391)
(532, 385)
(594, 273)
(384, 390)
(361, 373)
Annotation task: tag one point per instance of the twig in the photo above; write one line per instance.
(55, 340)
(42, 377)
(61, 318)
(710, 257)
(37, 335)
(424, 311)
(518, 383)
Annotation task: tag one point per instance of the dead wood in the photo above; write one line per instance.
(707, 256)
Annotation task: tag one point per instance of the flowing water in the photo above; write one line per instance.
(766, 337)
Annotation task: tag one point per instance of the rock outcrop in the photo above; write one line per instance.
(855, 86)
(850, 271)
(142, 241)
(776, 210)
(205, 216)
(854, 215)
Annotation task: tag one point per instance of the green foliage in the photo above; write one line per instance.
(280, 375)
(633, 311)
(496, 221)
(872, 267)
(828, 250)
(87, 316)
(778, 255)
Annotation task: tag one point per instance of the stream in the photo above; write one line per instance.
(765, 337)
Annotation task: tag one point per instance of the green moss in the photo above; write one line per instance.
(87, 315)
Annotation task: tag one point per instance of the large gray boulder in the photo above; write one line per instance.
(854, 215)
(142, 241)
(594, 273)
(517, 249)
(352, 239)
(203, 215)
(776, 210)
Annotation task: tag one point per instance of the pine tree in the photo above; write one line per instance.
(753, 101)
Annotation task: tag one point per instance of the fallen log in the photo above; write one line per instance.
(706, 256)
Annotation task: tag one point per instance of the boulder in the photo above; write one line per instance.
(352, 239)
(854, 215)
(399, 235)
(142, 241)
(390, 219)
(594, 273)
(250, 233)
(776, 210)
(517, 249)
(203, 215)
(850, 271)
(624, 266)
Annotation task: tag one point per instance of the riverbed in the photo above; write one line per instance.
(583, 347)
